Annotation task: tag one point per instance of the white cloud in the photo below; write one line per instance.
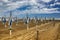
(58, 3)
(56, 0)
(51, 9)
(47, 10)
(4, 0)
(33, 1)
(35, 10)
(13, 5)
(52, 4)
(46, 0)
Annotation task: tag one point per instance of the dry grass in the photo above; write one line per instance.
(19, 32)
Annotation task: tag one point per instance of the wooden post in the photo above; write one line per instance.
(53, 22)
(16, 21)
(5, 25)
(4, 22)
(27, 21)
(10, 32)
(37, 35)
(45, 19)
(27, 27)
(36, 21)
(10, 23)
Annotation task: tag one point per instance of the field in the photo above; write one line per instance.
(46, 30)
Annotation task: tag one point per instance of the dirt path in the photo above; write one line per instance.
(49, 34)
(58, 35)
(46, 32)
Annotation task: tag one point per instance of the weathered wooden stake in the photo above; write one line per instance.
(10, 32)
(37, 35)
(5, 25)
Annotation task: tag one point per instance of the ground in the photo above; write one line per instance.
(42, 31)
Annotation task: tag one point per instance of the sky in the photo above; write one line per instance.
(18, 7)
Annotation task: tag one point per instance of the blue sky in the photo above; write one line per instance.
(21, 7)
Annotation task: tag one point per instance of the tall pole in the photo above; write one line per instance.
(37, 32)
(16, 21)
(10, 23)
(10, 19)
(27, 19)
(36, 21)
(53, 22)
(45, 19)
(37, 35)
(10, 14)
(5, 21)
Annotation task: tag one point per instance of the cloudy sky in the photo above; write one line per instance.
(18, 7)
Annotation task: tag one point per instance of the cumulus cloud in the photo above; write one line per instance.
(13, 5)
(46, 0)
(7, 6)
(44, 10)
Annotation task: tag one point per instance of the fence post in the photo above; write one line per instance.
(4, 21)
(10, 27)
(53, 22)
(37, 35)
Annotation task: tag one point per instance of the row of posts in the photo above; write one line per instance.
(25, 21)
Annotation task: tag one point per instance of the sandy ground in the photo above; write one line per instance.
(46, 31)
